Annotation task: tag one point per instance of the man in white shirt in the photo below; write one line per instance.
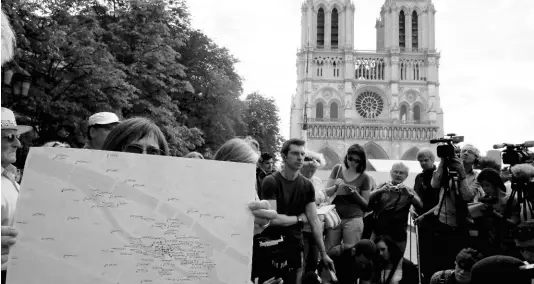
(10, 188)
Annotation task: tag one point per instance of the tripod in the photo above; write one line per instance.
(523, 204)
(451, 176)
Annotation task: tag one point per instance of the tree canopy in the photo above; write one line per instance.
(133, 58)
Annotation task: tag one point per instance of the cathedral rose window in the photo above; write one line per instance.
(369, 105)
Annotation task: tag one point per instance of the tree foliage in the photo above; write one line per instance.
(261, 117)
(134, 58)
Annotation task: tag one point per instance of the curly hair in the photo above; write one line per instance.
(314, 159)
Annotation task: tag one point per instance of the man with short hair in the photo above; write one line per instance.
(293, 197)
(99, 126)
(430, 197)
(10, 188)
(391, 205)
(264, 168)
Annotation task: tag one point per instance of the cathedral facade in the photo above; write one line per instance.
(386, 100)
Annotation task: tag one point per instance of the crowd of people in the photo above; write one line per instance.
(476, 226)
(469, 225)
(470, 228)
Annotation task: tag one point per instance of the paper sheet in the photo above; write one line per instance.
(325, 209)
(87, 216)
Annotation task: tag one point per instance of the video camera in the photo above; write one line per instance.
(516, 153)
(448, 147)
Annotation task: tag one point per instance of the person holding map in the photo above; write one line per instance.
(142, 136)
(293, 197)
(10, 188)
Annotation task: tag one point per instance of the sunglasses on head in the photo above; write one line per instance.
(132, 148)
(350, 159)
(11, 137)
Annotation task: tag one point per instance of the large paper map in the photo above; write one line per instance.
(88, 216)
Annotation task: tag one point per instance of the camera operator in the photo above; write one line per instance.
(293, 197)
(451, 229)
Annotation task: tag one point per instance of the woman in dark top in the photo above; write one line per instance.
(349, 188)
(391, 267)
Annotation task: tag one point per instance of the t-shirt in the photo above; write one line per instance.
(429, 195)
(291, 199)
(346, 205)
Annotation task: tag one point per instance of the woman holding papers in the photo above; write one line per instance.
(349, 187)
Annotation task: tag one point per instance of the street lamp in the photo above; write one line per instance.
(16, 81)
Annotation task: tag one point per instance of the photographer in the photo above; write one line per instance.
(451, 230)
(391, 205)
(493, 229)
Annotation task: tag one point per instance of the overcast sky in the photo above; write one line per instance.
(486, 67)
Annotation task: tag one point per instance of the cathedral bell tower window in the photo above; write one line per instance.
(415, 30)
(335, 29)
(402, 31)
(320, 28)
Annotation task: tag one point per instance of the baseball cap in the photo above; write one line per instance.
(103, 118)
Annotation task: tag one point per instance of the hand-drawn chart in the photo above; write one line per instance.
(88, 216)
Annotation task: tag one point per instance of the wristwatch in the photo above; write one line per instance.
(300, 221)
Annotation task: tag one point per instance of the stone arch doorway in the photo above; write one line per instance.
(374, 151)
(331, 158)
(411, 154)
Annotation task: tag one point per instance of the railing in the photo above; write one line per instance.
(373, 132)
(390, 121)
(314, 119)
(370, 67)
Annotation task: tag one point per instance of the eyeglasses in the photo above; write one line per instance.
(308, 159)
(137, 149)
(350, 159)
(11, 137)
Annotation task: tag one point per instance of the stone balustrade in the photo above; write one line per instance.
(373, 132)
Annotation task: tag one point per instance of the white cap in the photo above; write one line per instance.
(103, 118)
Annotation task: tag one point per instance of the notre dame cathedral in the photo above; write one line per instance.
(386, 100)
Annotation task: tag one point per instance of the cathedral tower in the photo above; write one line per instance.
(386, 100)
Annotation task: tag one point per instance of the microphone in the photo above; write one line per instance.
(499, 146)
(527, 144)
